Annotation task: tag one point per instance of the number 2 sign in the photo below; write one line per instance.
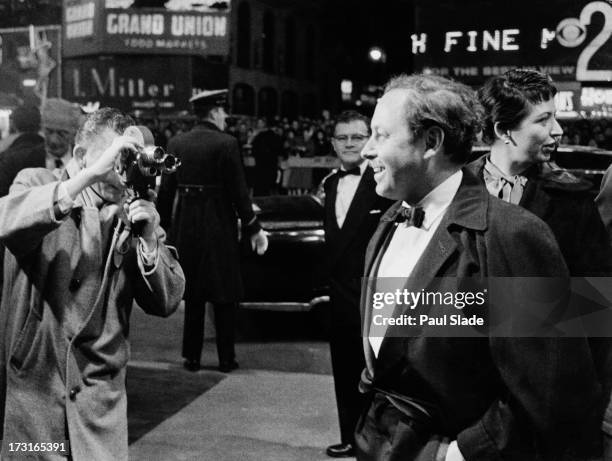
(571, 32)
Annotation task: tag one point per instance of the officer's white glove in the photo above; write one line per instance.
(259, 242)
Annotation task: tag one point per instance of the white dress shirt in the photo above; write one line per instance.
(347, 186)
(408, 243)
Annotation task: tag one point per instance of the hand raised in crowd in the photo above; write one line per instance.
(259, 242)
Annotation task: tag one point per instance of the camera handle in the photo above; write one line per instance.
(139, 193)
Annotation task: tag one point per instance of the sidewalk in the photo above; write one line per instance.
(249, 416)
(279, 405)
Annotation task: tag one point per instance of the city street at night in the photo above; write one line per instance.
(305, 230)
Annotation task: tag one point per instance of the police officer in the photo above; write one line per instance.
(205, 196)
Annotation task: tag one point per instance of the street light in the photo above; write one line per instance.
(377, 54)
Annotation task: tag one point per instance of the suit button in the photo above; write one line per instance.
(73, 392)
(74, 284)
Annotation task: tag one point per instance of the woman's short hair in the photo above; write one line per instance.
(439, 101)
(507, 98)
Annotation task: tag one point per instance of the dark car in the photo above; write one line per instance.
(585, 162)
(286, 288)
(289, 276)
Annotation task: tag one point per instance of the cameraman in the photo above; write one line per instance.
(72, 273)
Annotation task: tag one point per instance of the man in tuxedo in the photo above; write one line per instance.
(352, 211)
(443, 397)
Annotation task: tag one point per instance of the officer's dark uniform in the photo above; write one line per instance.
(207, 195)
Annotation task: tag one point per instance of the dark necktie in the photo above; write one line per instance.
(59, 163)
(412, 216)
(356, 171)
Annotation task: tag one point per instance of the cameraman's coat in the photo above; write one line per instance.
(64, 320)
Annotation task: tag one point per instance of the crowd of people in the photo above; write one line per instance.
(269, 173)
(302, 136)
(405, 210)
(312, 137)
(593, 133)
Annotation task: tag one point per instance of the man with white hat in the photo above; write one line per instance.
(208, 191)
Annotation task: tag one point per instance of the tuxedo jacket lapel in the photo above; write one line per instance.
(362, 202)
(331, 191)
(441, 247)
(374, 253)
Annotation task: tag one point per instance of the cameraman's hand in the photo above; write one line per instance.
(145, 211)
(103, 168)
(259, 242)
(98, 167)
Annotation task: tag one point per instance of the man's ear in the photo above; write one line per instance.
(434, 139)
(78, 152)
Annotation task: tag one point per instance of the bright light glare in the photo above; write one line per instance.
(376, 54)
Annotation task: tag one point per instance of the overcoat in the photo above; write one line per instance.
(64, 319)
(499, 397)
(573, 218)
(200, 205)
(18, 157)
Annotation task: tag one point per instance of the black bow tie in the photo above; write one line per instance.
(412, 216)
(356, 171)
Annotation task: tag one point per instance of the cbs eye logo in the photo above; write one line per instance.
(570, 32)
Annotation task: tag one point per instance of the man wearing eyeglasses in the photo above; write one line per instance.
(352, 210)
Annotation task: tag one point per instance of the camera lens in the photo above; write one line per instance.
(158, 153)
(170, 161)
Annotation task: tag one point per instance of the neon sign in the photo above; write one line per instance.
(586, 38)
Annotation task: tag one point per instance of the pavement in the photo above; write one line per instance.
(279, 405)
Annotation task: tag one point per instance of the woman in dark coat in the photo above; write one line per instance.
(521, 128)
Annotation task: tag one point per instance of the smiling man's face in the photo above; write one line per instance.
(395, 154)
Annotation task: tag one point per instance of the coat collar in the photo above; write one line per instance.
(535, 197)
(468, 209)
(205, 124)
